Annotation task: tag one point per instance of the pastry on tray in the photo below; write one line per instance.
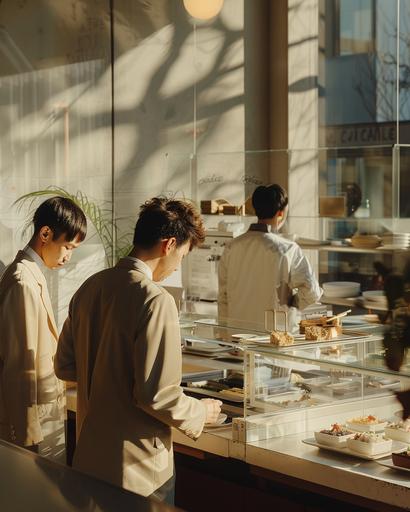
(322, 321)
(321, 333)
(368, 423)
(369, 443)
(335, 436)
(281, 338)
(399, 431)
(402, 459)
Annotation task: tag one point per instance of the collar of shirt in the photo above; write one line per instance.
(143, 266)
(264, 228)
(35, 257)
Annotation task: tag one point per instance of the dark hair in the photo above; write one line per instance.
(62, 216)
(162, 218)
(268, 201)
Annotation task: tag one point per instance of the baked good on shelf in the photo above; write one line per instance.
(369, 443)
(335, 436)
(281, 338)
(322, 321)
(402, 459)
(399, 431)
(321, 333)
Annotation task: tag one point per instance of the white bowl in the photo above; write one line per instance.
(330, 440)
(397, 434)
(370, 448)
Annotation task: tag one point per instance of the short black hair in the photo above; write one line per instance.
(162, 218)
(62, 216)
(267, 201)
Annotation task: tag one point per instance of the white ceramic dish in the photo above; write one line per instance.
(397, 434)
(341, 288)
(366, 427)
(345, 450)
(370, 449)
(375, 295)
(330, 440)
(220, 420)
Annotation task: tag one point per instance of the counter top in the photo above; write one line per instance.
(31, 482)
(289, 456)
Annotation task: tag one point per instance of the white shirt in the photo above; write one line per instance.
(142, 266)
(260, 271)
(35, 257)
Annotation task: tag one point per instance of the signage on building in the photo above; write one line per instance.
(368, 134)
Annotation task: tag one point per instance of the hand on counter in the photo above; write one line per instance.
(213, 409)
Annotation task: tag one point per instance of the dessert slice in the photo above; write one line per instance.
(335, 436)
(368, 423)
(402, 459)
(399, 431)
(370, 443)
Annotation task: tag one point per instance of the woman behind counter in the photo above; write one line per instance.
(260, 270)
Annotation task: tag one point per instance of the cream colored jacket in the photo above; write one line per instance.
(260, 271)
(121, 344)
(28, 342)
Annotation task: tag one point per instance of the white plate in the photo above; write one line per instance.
(220, 420)
(388, 463)
(375, 295)
(356, 445)
(396, 447)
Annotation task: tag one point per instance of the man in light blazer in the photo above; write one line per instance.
(121, 344)
(31, 397)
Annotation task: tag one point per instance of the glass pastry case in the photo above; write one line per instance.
(310, 386)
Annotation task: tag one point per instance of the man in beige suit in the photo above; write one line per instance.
(31, 397)
(121, 344)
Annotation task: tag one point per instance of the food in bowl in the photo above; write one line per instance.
(368, 423)
(335, 436)
(402, 459)
(369, 443)
(399, 431)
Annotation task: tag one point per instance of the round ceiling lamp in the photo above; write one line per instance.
(203, 9)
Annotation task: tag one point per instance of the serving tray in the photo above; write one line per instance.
(388, 463)
(396, 447)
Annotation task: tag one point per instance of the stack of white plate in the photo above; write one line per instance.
(341, 289)
(396, 240)
(376, 296)
(366, 241)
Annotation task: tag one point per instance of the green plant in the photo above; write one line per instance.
(101, 218)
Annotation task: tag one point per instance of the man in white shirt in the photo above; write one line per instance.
(31, 397)
(260, 270)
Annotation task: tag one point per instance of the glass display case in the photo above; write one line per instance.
(311, 386)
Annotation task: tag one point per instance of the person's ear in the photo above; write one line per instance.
(169, 245)
(45, 234)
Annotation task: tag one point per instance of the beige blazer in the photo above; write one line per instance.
(28, 342)
(121, 344)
